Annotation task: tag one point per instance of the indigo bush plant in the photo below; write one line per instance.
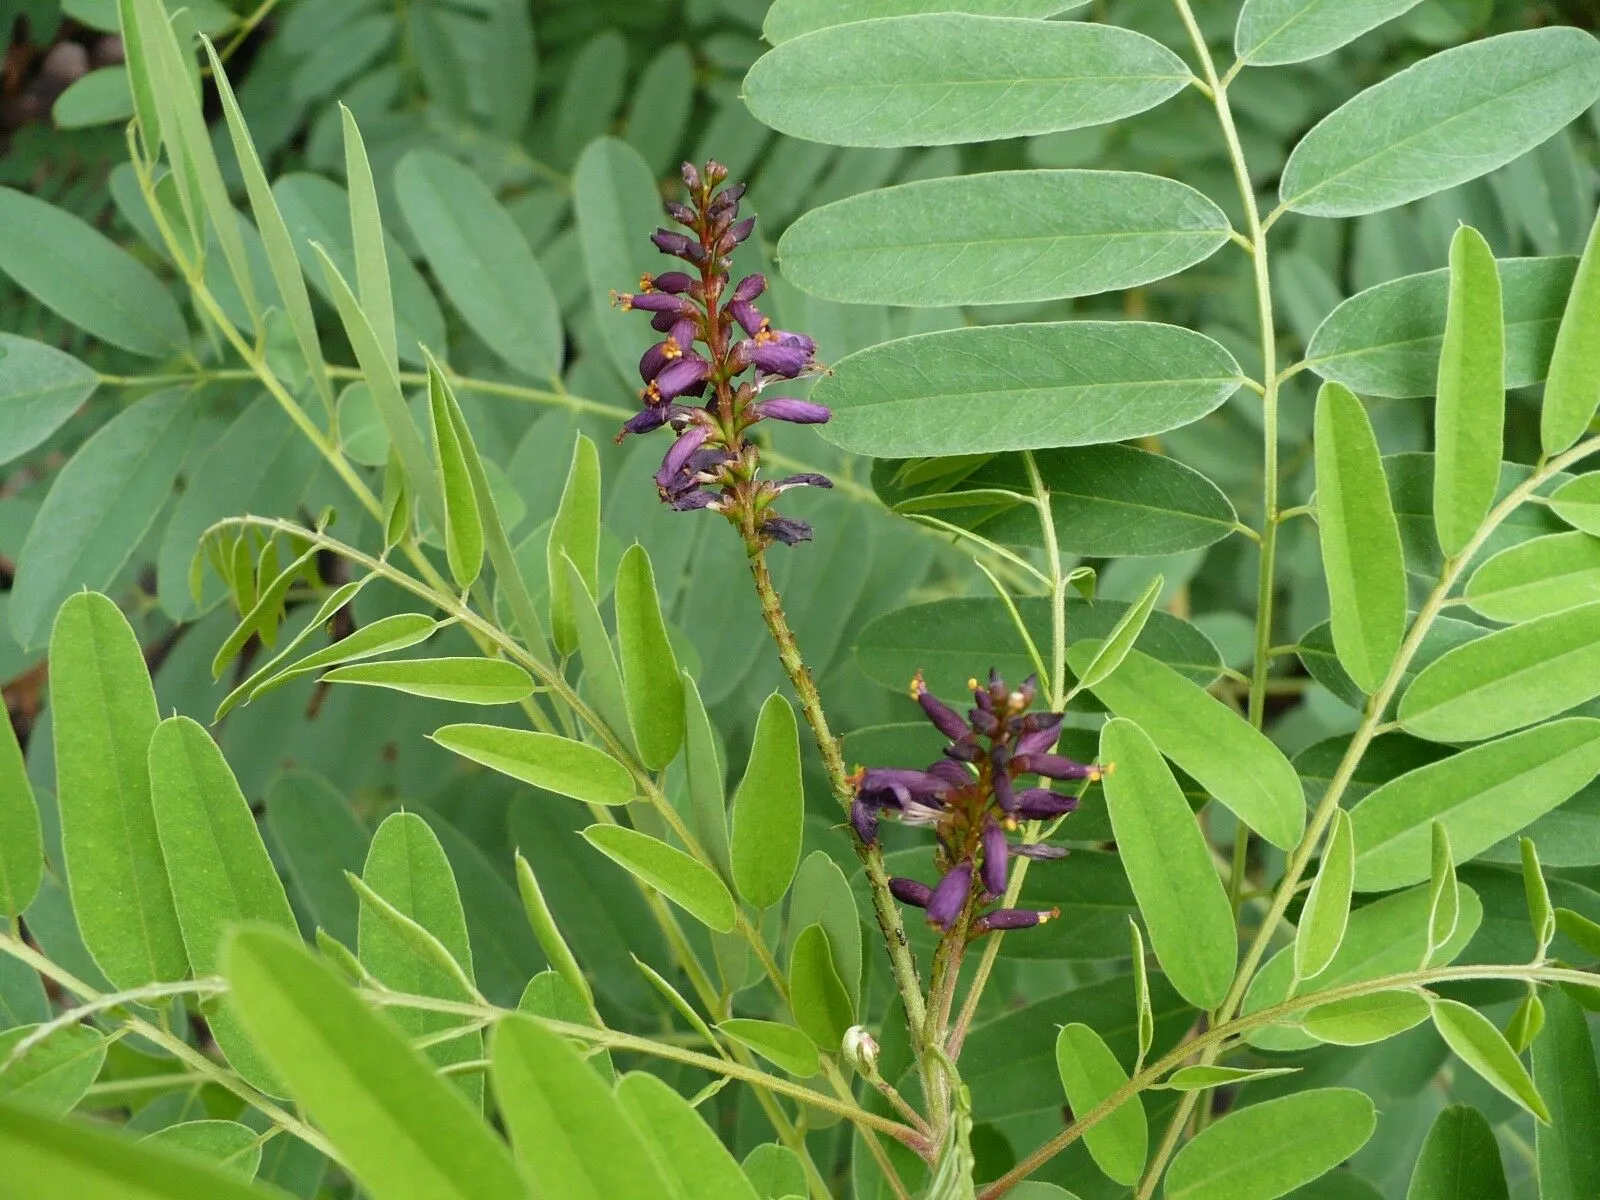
(1151, 443)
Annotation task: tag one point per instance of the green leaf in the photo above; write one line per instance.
(790, 18)
(617, 204)
(463, 523)
(1180, 896)
(1090, 1073)
(782, 1045)
(48, 1158)
(1108, 657)
(1444, 893)
(227, 1143)
(367, 239)
(1536, 578)
(40, 387)
(1573, 391)
(776, 1172)
(1481, 795)
(707, 783)
(53, 1074)
(687, 1151)
(1363, 1020)
(573, 1137)
(1008, 237)
(21, 839)
(1445, 120)
(1276, 32)
(1022, 387)
(690, 885)
(1564, 1070)
(1327, 908)
(575, 534)
(649, 667)
(1511, 678)
(1268, 1150)
(1541, 916)
(217, 866)
(318, 839)
(1577, 502)
(406, 869)
(769, 809)
(1470, 416)
(929, 80)
(817, 996)
(384, 636)
(1360, 539)
(1386, 341)
(462, 680)
(1526, 1023)
(1195, 1079)
(546, 932)
(556, 764)
(401, 1130)
(104, 713)
(482, 261)
(1460, 1160)
(1580, 929)
(102, 97)
(76, 271)
(1482, 1047)
(602, 678)
(822, 896)
(99, 508)
(1232, 760)
(1146, 1017)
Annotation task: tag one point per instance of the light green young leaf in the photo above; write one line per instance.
(1541, 914)
(1008, 237)
(1460, 1160)
(929, 80)
(1470, 414)
(1536, 578)
(1511, 678)
(40, 387)
(1444, 893)
(104, 713)
(769, 809)
(229, 1144)
(1482, 1047)
(51, 1075)
(575, 535)
(1363, 1020)
(1447, 119)
(404, 1133)
(386, 635)
(790, 18)
(1360, 539)
(1481, 795)
(1194, 1079)
(1577, 502)
(1146, 1018)
(482, 261)
(556, 764)
(707, 784)
(1021, 387)
(1090, 1073)
(545, 930)
(100, 506)
(367, 238)
(217, 866)
(690, 885)
(1573, 391)
(572, 1136)
(1108, 657)
(1180, 896)
(686, 1150)
(649, 667)
(264, 590)
(1268, 1150)
(1564, 1070)
(21, 839)
(463, 524)
(1525, 1025)
(462, 680)
(817, 996)
(675, 998)
(1277, 32)
(1327, 907)
(782, 1045)
(775, 1171)
(1583, 932)
(1233, 761)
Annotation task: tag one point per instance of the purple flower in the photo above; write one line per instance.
(657, 302)
(645, 420)
(691, 501)
(679, 452)
(669, 242)
(804, 479)
(900, 784)
(949, 896)
(684, 374)
(1012, 918)
(796, 412)
(1039, 732)
(675, 282)
(1053, 766)
(909, 891)
(788, 530)
(864, 819)
(951, 772)
(750, 317)
(1004, 794)
(780, 353)
(995, 858)
(662, 322)
(1038, 851)
(1041, 804)
(945, 719)
(681, 213)
(750, 287)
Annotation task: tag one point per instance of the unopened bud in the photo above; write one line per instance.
(861, 1049)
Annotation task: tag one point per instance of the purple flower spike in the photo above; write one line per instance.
(945, 719)
(1012, 918)
(1054, 766)
(909, 891)
(681, 375)
(864, 819)
(796, 412)
(995, 859)
(950, 896)
(1041, 804)
(788, 530)
(1004, 794)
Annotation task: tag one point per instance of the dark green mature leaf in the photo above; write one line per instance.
(790, 18)
(817, 996)
(575, 537)
(21, 839)
(690, 885)
(685, 1148)
(1484, 1048)
(1386, 340)
(1090, 1073)
(104, 713)
(40, 387)
(482, 261)
(769, 809)
(1564, 1070)
(77, 271)
(1360, 539)
(545, 760)
(1443, 121)
(52, 1074)
(99, 508)
(318, 839)
(1411, 491)
(402, 1131)
(707, 783)
(930, 80)
(1481, 795)
(617, 205)
(1470, 417)
(1460, 1160)
(463, 520)
(1275, 32)
(1573, 393)
(1001, 238)
(1019, 387)
(650, 676)
(1269, 1149)
(1538, 578)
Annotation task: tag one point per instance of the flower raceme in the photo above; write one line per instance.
(707, 383)
(972, 801)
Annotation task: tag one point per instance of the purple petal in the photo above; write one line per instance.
(995, 859)
(788, 530)
(864, 817)
(909, 891)
(742, 231)
(691, 501)
(680, 376)
(657, 302)
(681, 213)
(1012, 918)
(1040, 804)
(1042, 732)
(1004, 794)
(920, 784)
(804, 479)
(785, 358)
(669, 242)
(672, 281)
(952, 773)
(645, 420)
(796, 412)
(747, 314)
(691, 176)
(652, 360)
(1038, 851)
(678, 453)
(1053, 766)
(950, 896)
(945, 719)
(750, 288)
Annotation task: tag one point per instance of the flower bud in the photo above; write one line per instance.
(860, 1049)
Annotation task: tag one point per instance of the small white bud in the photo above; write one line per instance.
(861, 1049)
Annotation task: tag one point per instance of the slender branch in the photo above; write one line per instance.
(138, 995)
